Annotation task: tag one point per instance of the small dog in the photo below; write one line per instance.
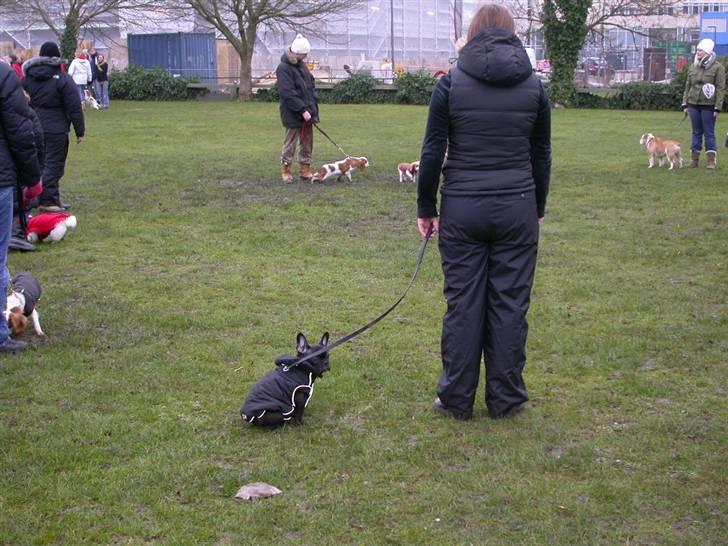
(344, 168)
(283, 393)
(21, 304)
(408, 171)
(661, 149)
(50, 227)
(90, 100)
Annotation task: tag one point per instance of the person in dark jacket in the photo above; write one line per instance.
(299, 108)
(492, 116)
(18, 165)
(101, 85)
(24, 197)
(54, 97)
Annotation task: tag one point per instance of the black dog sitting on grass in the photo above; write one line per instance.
(283, 393)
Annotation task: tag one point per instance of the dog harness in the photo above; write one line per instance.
(28, 285)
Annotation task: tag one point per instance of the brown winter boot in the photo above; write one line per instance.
(306, 174)
(286, 174)
(712, 159)
(694, 158)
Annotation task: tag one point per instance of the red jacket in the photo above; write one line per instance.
(44, 223)
(18, 69)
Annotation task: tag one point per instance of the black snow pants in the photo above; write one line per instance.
(56, 152)
(488, 248)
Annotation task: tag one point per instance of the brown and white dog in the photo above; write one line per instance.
(90, 100)
(340, 168)
(21, 304)
(408, 171)
(660, 149)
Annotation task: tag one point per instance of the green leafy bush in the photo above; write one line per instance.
(415, 87)
(646, 96)
(136, 83)
(357, 89)
(270, 94)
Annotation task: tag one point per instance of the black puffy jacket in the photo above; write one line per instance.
(493, 117)
(296, 87)
(18, 154)
(53, 96)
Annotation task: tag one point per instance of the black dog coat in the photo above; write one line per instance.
(26, 284)
(276, 391)
(284, 392)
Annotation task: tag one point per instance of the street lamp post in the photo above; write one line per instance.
(391, 32)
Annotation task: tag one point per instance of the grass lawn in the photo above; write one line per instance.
(193, 267)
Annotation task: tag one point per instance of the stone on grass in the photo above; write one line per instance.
(256, 490)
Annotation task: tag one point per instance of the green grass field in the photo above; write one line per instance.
(193, 267)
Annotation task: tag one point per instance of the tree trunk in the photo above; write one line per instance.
(564, 28)
(69, 39)
(246, 79)
(246, 60)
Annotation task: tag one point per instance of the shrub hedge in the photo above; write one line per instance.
(643, 95)
(361, 88)
(136, 83)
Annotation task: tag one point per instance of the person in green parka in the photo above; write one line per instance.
(703, 100)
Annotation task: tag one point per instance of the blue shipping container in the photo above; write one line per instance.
(714, 25)
(184, 54)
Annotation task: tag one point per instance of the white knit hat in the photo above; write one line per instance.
(300, 45)
(707, 45)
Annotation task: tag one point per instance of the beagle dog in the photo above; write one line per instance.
(660, 149)
(340, 168)
(21, 304)
(408, 171)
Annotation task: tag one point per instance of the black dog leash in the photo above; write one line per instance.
(331, 140)
(371, 323)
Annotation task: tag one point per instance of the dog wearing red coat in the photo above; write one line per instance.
(50, 227)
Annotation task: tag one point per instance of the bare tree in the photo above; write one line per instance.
(603, 14)
(239, 20)
(66, 18)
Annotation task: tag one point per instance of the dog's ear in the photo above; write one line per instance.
(325, 339)
(301, 343)
(17, 321)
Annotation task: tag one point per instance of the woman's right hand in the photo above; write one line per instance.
(423, 224)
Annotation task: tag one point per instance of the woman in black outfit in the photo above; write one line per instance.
(54, 97)
(492, 117)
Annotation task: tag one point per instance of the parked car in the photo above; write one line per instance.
(543, 65)
(594, 66)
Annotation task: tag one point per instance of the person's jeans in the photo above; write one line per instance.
(6, 222)
(703, 122)
(81, 92)
(102, 93)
